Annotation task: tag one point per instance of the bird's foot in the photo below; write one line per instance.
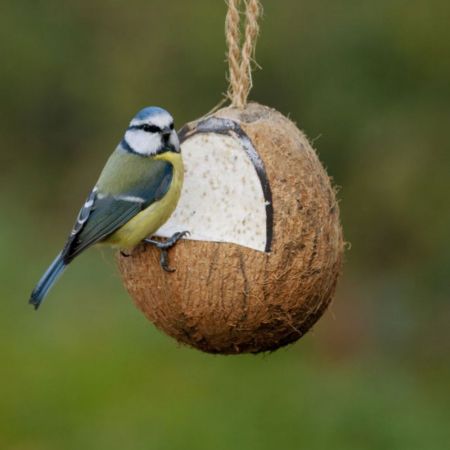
(164, 246)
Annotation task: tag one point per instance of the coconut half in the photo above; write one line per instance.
(266, 248)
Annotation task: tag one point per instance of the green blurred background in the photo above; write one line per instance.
(369, 82)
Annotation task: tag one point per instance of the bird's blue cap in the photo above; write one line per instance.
(150, 111)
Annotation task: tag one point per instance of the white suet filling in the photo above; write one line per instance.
(222, 198)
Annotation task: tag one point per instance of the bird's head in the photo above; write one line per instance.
(151, 132)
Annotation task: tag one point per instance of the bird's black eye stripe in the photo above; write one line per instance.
(150, 128)
(146, 127)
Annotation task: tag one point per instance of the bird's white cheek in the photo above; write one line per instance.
(142, 142)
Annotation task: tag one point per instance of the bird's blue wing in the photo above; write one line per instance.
(103, 214)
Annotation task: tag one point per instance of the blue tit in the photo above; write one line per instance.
(136, 193)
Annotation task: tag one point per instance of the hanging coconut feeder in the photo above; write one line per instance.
(265, 248)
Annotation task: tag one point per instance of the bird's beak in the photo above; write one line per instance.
(166, 132)
(171, 139)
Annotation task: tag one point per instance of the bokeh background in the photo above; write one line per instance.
(369, 82)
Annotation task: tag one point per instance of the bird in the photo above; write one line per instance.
(136, 193)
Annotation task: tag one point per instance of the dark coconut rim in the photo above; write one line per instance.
(231, 128)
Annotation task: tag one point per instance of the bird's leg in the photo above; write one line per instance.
(164, 246)
(168, 243)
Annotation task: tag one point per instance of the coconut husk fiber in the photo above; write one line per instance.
(229, 299)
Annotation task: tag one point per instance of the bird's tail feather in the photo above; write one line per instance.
(47, 281)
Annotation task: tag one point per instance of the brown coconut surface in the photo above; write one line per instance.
(225, 298)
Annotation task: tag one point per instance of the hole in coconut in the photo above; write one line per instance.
(226, 195)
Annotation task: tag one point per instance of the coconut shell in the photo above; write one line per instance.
(228, 298)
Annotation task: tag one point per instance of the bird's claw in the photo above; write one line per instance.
(165, 246)
(164, 262)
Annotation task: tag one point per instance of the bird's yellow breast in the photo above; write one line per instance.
(154, 216)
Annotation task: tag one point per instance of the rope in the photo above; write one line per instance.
(240, 58)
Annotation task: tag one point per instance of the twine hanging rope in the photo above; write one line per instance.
(241, 54)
